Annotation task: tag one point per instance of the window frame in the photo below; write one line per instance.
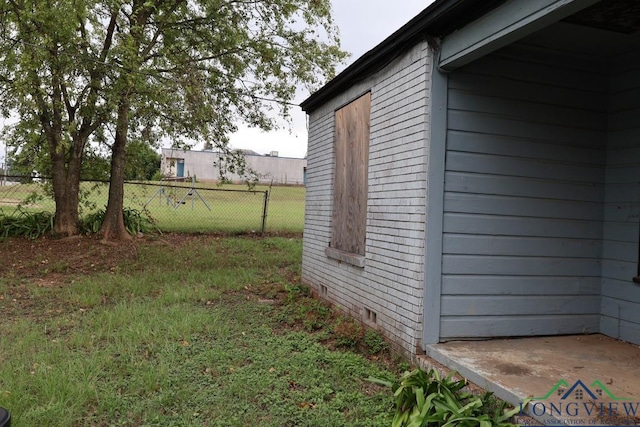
(351, 142)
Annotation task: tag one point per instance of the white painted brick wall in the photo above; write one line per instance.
(391, 283)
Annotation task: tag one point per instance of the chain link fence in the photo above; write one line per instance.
(175, 205)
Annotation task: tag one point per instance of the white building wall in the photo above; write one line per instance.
(391, 282)
(202, 164)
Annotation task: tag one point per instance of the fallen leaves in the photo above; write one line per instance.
(307, 405)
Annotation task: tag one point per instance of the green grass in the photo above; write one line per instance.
(181, 338)
(226, 211)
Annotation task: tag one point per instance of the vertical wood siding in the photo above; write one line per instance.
(620, 296)
(391, 282)
(524, 191)
(351, 152)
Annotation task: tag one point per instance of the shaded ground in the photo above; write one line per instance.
(51, 263)
(54, 261)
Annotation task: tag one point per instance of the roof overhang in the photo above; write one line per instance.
(503, 25)
(438, 20)
(465, 30)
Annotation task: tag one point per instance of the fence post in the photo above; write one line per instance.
(264, 211)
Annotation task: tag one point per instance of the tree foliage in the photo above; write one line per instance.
(109, 71)
(142, 162)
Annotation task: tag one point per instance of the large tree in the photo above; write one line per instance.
(53, 88)
(116, 70)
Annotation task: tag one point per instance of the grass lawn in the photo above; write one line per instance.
(206, 210)
(180, 331)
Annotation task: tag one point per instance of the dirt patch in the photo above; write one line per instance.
(53, 261)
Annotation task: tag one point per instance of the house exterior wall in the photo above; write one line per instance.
(620, 296)
(391, 283)
(202, 164)
(524, 192)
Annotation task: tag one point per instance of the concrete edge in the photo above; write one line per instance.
(433, 352)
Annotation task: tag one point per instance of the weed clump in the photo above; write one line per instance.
(300, 309)
(348, 333)
(374, 341)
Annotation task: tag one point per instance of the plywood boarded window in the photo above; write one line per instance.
(350, 184)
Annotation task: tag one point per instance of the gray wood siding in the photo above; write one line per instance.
(620, 296)
(524, 191)
(391, 282)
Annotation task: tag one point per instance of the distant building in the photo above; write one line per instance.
(205, 165)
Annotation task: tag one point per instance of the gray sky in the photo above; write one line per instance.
(363, 24)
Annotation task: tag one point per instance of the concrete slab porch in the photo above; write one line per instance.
(573, 380)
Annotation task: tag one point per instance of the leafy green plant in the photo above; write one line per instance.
(157, 176)
(296, 291)
(91, 222)
(374, 341)
(313, 314)
(135, 221)
(26, 224)
(424, 398)
(403, 365)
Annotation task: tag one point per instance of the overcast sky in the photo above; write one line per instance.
(363, 24)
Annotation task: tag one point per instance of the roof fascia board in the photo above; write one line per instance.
(502, 26)
(395, 42)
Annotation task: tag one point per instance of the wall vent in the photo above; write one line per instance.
(370, 316)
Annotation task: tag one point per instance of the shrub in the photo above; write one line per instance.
(26, 224)
(427, 399)
(135, 221)
(157, 176)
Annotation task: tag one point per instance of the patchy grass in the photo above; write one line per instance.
(193, 331)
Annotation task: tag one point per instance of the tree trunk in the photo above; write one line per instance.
(113, 227)
(66, 186)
